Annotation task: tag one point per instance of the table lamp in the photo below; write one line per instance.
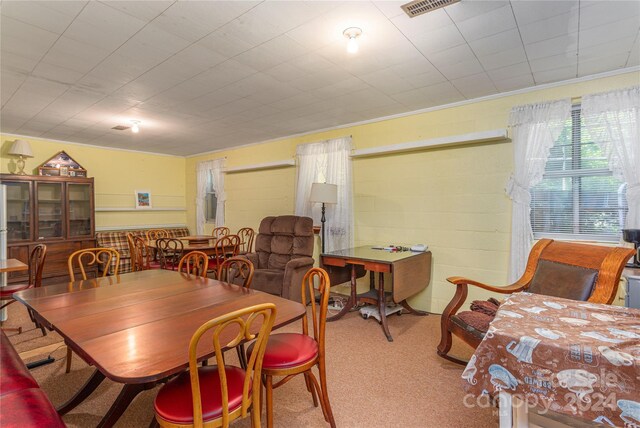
(326, 194)
(22, 149)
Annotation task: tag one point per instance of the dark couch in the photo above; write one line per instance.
(22, 403)
(284, 246)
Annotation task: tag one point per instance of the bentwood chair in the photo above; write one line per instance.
(212, 396)
(219, 232)
(153, 234)
(561, 269)
(226, 247)
(170, 251)
(100, 257)
(142, 256)
(239, 271)
(291, 354)
(194, 262)
(246, 235)
(36, 265)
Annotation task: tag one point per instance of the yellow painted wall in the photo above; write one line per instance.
(449, 198)
(117, 174)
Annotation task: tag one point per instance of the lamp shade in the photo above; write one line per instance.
(323, 192)
(21, 148)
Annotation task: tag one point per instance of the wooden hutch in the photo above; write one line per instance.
(54, 210)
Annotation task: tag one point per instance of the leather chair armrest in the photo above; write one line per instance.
(294, 271)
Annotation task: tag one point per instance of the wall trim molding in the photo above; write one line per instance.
(113, 209)
(129, 227)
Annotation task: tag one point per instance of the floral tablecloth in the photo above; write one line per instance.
(570, 357)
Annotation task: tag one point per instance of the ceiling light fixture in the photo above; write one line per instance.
(135, 128)
(352, 33)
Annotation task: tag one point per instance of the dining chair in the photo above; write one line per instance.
(170, 251)
(246, 235)
(213, 396)
(219, 232)
(194, 262)
(226, 247)
(36, 265)
(142, 257)
(100, 257)
(239, 271)
(153, 234)
(291, 354)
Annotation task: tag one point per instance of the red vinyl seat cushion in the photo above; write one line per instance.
(6, 292)
(28, 408)
(286, 350)
(13, 374)
(154, 265)
(174, 401)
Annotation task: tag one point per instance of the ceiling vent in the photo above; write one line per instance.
(420, 7)
(120, 128)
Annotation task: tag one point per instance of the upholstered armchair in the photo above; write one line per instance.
(283, 250)
(561, 269)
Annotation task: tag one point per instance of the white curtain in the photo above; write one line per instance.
(209, 170)
(612, 121)
(534, 130)
(327, 162)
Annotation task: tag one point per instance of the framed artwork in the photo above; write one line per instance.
(143, 199)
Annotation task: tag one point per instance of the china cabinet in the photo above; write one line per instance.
(56, 211)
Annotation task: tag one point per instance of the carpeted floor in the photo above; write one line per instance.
(372, 382)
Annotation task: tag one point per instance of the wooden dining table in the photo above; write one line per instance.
(135, 328)
(206, 244)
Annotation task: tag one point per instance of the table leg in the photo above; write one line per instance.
(353, 299)
(126, 396)
(411, 310)
(382, 307)
(94, 381)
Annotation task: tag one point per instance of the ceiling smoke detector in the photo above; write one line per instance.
(420, 7)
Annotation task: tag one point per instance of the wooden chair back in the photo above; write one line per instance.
(236, 270)
(153, 234)
(132, 251)
(316, 280)
(170, 251)
(141, 256)
(36, 264)
(194, 262)
(246, 235)
(219, 232)
(229, 331)
(100, 257)
(226, 247)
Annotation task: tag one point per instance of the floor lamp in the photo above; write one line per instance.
(325, 194)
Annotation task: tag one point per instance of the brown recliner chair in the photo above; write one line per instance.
(284, 246)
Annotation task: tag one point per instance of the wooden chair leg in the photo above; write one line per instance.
(69, 356)
(242, 356)
(326, 405)
(310, 388)
(269, 388)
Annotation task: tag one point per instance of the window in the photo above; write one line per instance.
(578, 197)
(211, 202)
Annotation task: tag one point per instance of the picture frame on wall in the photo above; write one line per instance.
(143, 199)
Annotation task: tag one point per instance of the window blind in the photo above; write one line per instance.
(578, 198)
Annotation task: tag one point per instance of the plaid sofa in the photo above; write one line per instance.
(118, 239)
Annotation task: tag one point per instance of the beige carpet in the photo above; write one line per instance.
(372, 382)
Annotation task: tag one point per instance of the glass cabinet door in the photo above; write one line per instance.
(50, 210)
(79, 209)
(18, 211)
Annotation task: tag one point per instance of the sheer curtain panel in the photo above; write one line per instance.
(214, 170)
(534, 129)
(612, 119)
(327, 162)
